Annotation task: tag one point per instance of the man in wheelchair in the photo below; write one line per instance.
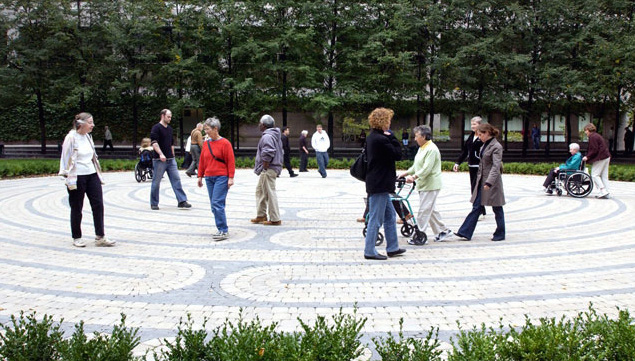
(573, 163)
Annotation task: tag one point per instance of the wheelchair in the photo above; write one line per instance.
(577, 183)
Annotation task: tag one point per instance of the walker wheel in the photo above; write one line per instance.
(380, 239)
(407, 229)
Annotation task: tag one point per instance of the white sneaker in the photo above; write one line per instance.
(104, 242)
(443, 235)
(219, 236)
(78, 242)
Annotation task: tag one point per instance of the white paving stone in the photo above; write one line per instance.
(561, 253)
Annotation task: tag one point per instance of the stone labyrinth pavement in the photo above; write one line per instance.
(560, 255)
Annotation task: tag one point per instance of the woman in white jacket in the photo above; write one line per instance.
(80, 166)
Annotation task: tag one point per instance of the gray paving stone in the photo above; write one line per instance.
(561, 253)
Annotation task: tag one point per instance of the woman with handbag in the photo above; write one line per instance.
(80, 166)
(217, 165)
(382, 150)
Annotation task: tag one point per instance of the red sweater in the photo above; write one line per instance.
(210, 167)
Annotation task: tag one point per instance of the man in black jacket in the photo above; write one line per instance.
(287, 151)
(471, 151)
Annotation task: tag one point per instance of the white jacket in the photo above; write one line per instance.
(320, 141)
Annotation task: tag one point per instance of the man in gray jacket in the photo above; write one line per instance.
(268, 166)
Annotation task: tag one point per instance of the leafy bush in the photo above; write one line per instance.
(407, 349)
(28, 338)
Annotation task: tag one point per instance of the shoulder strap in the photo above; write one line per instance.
(212, 153)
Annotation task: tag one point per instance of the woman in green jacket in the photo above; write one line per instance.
(425, 172)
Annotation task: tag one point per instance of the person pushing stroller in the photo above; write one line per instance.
(425, 172)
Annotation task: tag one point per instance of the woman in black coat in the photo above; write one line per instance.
(383, 149)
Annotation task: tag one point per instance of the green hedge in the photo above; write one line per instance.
(11, 168)
(587, 336)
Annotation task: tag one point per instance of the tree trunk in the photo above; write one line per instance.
(40, 114)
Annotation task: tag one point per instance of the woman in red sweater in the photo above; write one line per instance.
(218, 166)
(598, 155)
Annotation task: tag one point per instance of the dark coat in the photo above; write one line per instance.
(489, 172)
(382, 151)
(471, 151)
(598, 150)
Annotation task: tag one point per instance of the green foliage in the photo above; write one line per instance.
(587, 336)
(28, 338)
(100, 347)
(409, 349)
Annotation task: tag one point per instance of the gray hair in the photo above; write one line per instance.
(80, 119)
(305, 132)
(267, 121)
(477, 119)
(574, 146)
(213, 122)
(424, 130)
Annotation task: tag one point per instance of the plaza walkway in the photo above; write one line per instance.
(560, 255)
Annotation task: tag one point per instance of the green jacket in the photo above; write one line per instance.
(427, 168)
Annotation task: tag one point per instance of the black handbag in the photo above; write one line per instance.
(360, 166)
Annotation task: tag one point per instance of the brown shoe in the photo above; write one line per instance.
(259, 220)
(272, 223)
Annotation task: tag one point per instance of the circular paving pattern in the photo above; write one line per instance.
(561, 254)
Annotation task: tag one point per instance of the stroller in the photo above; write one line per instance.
(402, 207)
(143, 168)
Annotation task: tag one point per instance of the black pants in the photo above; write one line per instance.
(473, 176)
(550, 178)
(304, 159)
(88, 185)
(108, 143)
(287, 163)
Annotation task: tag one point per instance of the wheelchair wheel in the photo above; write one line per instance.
(364, 231)
(579, 185)
(559, 192)
(137, 173)
(380, 239)
(149, 173)
(407, 229)
(143, 178)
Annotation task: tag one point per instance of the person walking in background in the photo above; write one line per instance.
(304, 151)
(535, 136)
(187, 161)
(217, 165)
(287, 151)
(405, 138)
(195, 148)
(268, 166)
(572, 163)
(163, 161)
(383, 149)
(489, 185)
(628, 141)
(598, 155)
(107, 139)
(425, 172)
(80, 166)
(471, 152)
(321, 143)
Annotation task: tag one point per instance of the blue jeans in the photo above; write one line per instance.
(380, 211)
(468, 226)
(217, 190)
(175, 180)
(323, 162)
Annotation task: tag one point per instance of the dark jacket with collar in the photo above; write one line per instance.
(471, 151)
(382, 151)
